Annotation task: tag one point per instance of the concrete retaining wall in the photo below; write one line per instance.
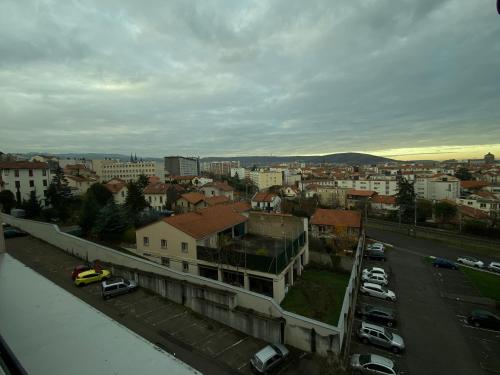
(249, 312)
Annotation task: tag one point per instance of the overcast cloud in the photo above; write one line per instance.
(243, 77)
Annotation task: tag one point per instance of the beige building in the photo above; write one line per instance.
(190, 202)
(127, 171)
(23, 177)
(266, 179)
(119, 189)
(260, 252)
(79, 184)
(217, 188)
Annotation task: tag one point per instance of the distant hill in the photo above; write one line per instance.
(349, 158)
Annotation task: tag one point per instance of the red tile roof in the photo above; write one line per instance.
(207, 221)
(157, 188)
(384, 199)
(115, 185)
(473, 184)
(23, 165)
(263, 196)
(219, 185)
(486, 195)
(339, 218)
(218, 199)
(361, 193)
(193, 197)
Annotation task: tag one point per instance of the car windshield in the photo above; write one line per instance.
(364, 358)
(388, 334)
(276, 349)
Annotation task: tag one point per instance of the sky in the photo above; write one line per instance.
(404, 79)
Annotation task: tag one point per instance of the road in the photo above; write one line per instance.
(435, 339)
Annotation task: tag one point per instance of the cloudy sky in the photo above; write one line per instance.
(408, 79)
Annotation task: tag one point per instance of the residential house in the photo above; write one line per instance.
(118, 188)
(79, 184)
(190, 202)
(156, 194)
(384, 203)
(217, 188)
(218, 199)
(265, 201)
(23, 177)
(260, 252)
(437, 187)
(359, 199)
(326, 223)
(468, 187)
(291, 191)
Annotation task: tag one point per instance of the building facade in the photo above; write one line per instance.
(23, 177)
(181, 166)
(266, 179)
(129, 171)
(437, 187)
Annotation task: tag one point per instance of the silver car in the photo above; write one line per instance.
(381, 336)
(375, 278)
(269, 358)
(376, 290)
(470, 261)
(494, 266)
(374, 270)
(373, 364)
(117, 286)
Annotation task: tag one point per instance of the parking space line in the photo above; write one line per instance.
(231, 346)
(243, 365)
(207, 338)
(169, 318)
(182, 329)
(127, 305)
(156, 310)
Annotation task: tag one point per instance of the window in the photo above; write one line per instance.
(161, 199)
(165, 261)
(32, 183)
(18, 185)
(184, 247)
(149, 199)
(123, 193)
(185, 266)
(30, 172)
(163, 244)
(483, 205)
(44, 182)
(145, 241)
(45, 193)
(16, 173)
(44, 172)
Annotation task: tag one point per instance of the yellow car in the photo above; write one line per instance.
(91, 276)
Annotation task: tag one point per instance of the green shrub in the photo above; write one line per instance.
(129, 235)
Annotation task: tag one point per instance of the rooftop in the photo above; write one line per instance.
(338, 218)
(23, 165)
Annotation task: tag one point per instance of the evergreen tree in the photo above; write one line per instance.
(100, 194)
(142, 181)
(7, 200)
(96, 197)
(135, 201)
(111, 222)
(405, 198)
(445, 211)
(463, 174)
(59, 194)
(32, 206)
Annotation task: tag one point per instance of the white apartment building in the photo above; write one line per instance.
(380, 186)
(437, 187)
(222, 168)
(241, 172)
(266, 179)
(486, 205)
(23, 177)
(128, 171)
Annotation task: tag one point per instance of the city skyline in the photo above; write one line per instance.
(403, 80)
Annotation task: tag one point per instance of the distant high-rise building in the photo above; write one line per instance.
(489, 158)
(222, 168)
(181, 166)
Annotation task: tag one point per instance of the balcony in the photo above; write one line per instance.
(255, 252)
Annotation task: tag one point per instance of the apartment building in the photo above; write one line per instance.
(181, 166)
(241, 172)
(437, 187)
(217, 188)
(161, 196)
(23, 177)
(79, 184)
(129, 171)
(221, 168)
(380, 186)
(260, 252)
(266, 179)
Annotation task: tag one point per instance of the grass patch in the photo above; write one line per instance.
(318, 294)
(428, 259)
(487, 284)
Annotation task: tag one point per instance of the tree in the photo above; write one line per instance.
(463, 174)
(96, 197)
(405, 198)
(111, 222)
(7, 200)
(135, 201)
(32, 206)
(445, 211)
(424, 209)
(59, 194)
(100, 193)
(142, 181)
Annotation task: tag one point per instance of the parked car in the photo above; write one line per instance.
(91, 276)
(79, 269)
(375, 278)
(117, 286)
(381, 336)
(375, 255)
(485, 319)
(374, 270)
(470, 261)
(444, 263)
(269, 358)
(376, 246)
(377, 314)
(379, 291)
(494, 266)
(11, 232)
(373, 364)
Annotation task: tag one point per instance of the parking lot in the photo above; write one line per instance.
(431, 320)
(202, 343)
